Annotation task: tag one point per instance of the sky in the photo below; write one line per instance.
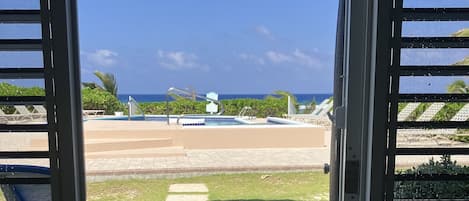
(227, 46)
(231, 46)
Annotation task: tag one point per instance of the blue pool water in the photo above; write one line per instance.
(209, 121)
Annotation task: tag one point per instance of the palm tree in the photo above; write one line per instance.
(91, 85)
(108, 81)
(285, 94)
(461, 33)
(458, 86)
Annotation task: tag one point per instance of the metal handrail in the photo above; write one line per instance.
(177, 91)
(134, 102)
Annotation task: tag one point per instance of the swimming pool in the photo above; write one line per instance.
(208, 120)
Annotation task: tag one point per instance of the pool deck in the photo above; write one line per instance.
(124, 135)
(123, 148)
(136, 149)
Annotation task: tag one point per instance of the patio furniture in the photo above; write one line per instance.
(23, 113)
(93, 112)
(39, 112)
(3, 117)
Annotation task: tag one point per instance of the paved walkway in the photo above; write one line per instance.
(213, 160)
(192, 162)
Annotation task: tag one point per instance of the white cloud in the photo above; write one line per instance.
(277, 57)
(178, 60)
(305, 59)
(253, 58)
(265, 32)
(296, 57)
(101, 57)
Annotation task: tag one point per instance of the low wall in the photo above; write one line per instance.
(211, 137)
(127, 135)
(249, 137)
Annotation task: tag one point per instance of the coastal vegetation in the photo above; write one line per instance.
(269, 106)
(108, 81)
(97, 98)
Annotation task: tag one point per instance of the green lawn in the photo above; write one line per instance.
(242, 187)
(306, 186)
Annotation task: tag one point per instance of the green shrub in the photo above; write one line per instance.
(418, 111)
(401, 106)
(434, 189)
(7, 89)
(98, 99)
(448, 111)
(269, 106)
(462, 135)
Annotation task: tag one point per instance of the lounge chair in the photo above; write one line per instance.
(39, 111)
(3, 117)
(23, 113)
(93, 112)
(6, 118)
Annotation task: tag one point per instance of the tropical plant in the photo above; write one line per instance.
(108, 81)
(91, 85)
(458, 86)
(7, 89)
(98, 99)
(461, 33)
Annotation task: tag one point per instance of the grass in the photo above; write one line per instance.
(225, 187)
(305, 186)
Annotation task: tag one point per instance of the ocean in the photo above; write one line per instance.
(301, 98)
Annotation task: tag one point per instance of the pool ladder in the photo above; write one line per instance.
(134, 107)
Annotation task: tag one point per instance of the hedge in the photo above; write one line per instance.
(91, 98)
(99, 99)
(269, 106)
(448, 111)
(418, 111)
(434, 189)
(7, 89)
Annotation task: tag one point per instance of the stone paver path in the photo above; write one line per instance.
(187, 198)
(185, 192)
(210, 160)
(188, 188)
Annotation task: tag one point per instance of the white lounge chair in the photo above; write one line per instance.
(23, 113)
(3, 117)
(39, 111)
(93, 112)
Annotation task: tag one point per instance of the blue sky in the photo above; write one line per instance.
(229, 46)
(236, 46)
